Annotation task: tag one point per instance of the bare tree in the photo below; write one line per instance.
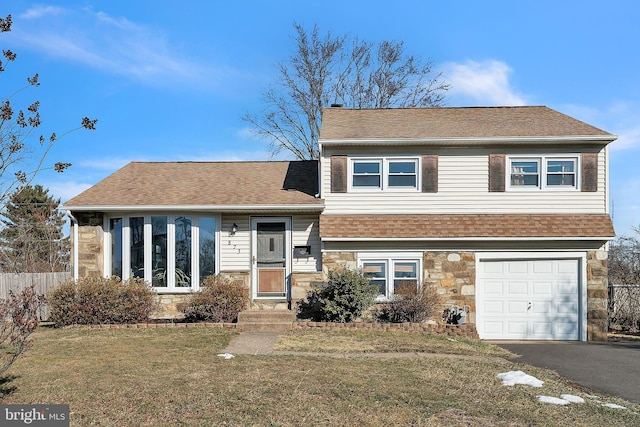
(18, 133)
(624, 260)
(624, 282)
(339, 70)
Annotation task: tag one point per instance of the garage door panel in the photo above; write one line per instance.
(542, 328)
(517, 267)
(542, 267)
(567, 309)
(494, 288)
(544, 307)
(516, 307)
(528, 299)
(567, 288)
(542, 288)
(493, 307)
(515, 288)
(517, 328)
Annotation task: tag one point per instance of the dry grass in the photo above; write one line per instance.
(369, 341)
(173, 376)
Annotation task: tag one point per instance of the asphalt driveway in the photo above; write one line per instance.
(609, 367)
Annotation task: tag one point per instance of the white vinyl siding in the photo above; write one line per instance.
(463, 180)
(235, 251)
(306, 232)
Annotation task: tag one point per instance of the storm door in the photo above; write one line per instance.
(271, 258)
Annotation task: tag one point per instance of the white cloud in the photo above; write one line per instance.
(40, 11)
(113, 45)
(483, 83)
(67, 189)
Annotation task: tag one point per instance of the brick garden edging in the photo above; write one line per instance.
(155, 325)
(467, 330)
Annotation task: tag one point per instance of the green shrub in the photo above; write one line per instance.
(410, 304)
(345, 296)
(218, 300)
(99, 300)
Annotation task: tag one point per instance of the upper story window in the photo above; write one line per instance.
(543, 172)
(384, 174)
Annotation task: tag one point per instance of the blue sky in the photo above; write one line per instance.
(171, 80)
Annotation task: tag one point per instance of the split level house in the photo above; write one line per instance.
(503, 209)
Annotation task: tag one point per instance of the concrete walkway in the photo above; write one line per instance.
(252, 343)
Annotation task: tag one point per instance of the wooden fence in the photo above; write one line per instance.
(42, 281)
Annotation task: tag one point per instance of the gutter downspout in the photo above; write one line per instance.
(74, 228)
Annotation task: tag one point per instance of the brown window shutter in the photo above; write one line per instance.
(338, 174)
(589, 172)
(497, 167)
(430, 173)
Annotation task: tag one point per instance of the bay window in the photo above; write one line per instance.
(172, 252)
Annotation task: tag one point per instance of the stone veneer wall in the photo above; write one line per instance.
(452, 273)
(597, 296)
(90, 244)
(454, 276)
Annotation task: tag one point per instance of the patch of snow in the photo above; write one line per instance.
(518, 377)
(571, 398)
(613, 405)
(227, 355)
(553, 400)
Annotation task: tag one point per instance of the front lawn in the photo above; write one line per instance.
(174, 376)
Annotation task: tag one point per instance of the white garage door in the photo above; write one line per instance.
(535, 299)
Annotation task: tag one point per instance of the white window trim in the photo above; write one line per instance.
(384, 173)
(390, 258)
(171, 217)
(543, 160)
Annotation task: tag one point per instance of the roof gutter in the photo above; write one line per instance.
(469, 238)
(192, 208)
(482, 141)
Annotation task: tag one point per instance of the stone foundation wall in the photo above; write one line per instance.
(467, 330)
(168, 306)
(301, 283)
(597, 296)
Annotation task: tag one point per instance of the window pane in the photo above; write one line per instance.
(136, 232)
(366, 181)
(115, 229)
(207, 245)
(528, 180)
(405, 269)
(159, 251)
(183, 251)
(524, 167)
(561, 179)
(402, 167)
(366, 167)
(560, 166)
(377, 273)
(402, 181)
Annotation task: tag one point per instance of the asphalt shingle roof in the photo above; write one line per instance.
(206, 183)
(431, 226)
(464, 122)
